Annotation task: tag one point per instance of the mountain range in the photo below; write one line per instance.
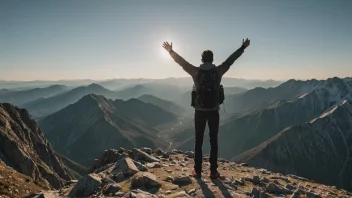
(319, 149)
(95, 120)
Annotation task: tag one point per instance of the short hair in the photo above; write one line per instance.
(207, 56)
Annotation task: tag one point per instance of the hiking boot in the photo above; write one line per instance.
(215, 175)
(196, 175)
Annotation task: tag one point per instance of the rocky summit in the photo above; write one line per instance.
(124, 173)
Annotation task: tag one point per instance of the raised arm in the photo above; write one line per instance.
(189, 68)
(225, 66)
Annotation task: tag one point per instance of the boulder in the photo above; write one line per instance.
(143, 156)
(147, 150)
(276, 189)
(111, 189)
(86, 186)
(140, 166)
(189, 154)
(145, 179)
(158, 151)
(182, 180)
(125, 166)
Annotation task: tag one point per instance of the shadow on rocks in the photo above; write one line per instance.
(204, 187)
(224, 190)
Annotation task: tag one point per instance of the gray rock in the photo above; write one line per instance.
(107, 180)
(290, 187)
(125, 166)
(111, 189)
(140, 166)
(145, 179)
(192, 191)
(71, 182)
(153, 165)
(86, 186)
(147, 150)
(244, 164)
(189, 154)
(158, 151)
(182, 180)
(254, 179)
(276, 189)
(257, 193)
(143, 156)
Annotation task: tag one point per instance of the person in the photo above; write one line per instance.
(206, 101)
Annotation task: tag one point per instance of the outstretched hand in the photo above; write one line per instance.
(167, 46)
(246, 42)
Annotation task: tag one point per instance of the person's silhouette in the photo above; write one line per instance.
(207, 79)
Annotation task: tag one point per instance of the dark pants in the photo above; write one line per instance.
(200, 120)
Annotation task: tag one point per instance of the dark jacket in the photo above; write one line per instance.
(193, 71)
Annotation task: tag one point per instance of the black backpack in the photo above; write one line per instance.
(209, 94)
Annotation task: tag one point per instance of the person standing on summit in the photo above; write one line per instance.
(206, 98)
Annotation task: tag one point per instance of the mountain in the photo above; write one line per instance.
(144, 113)
(20, 97)
(245, 131)
(319, 149)
(260, 97)
(234, 90)
(164, 104)
(95, 120)
(43, 107)
(24, 148)
(157, 173)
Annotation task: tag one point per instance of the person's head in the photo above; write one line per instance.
(207, 56)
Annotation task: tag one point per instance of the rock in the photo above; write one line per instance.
(140, 166)
(143, 156)
(86, 186)
(189, 154)
(165, 155)
(107, 180)
(254, 179)
(290, 187)
(158, 151)
(181, 194)
(125, 166)
(244, 164)
(182, 180)
(171, 186)
(71, 182)
(168, 192)
(147, 150)
(192, 191)
(256, 193)
(108, 157)
(295, 195)
(121, 150)
(111, 189)
(275, 189)
(145, 179)
(168, 179)
(153, 165)
(264, 180)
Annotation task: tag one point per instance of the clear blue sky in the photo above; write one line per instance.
(66, 39)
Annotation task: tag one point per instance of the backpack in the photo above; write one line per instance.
(208, 95)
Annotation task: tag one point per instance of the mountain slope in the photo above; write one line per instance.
(20, 97)
(23, 147)
(95, 120)
(245, 131)
(319, 149)
(164, 104)
(44, 107)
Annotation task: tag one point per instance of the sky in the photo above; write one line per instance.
(88, 39)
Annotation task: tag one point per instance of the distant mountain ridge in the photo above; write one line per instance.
(95, 120)
(47, 106)
(319, 149)
(20, 97)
